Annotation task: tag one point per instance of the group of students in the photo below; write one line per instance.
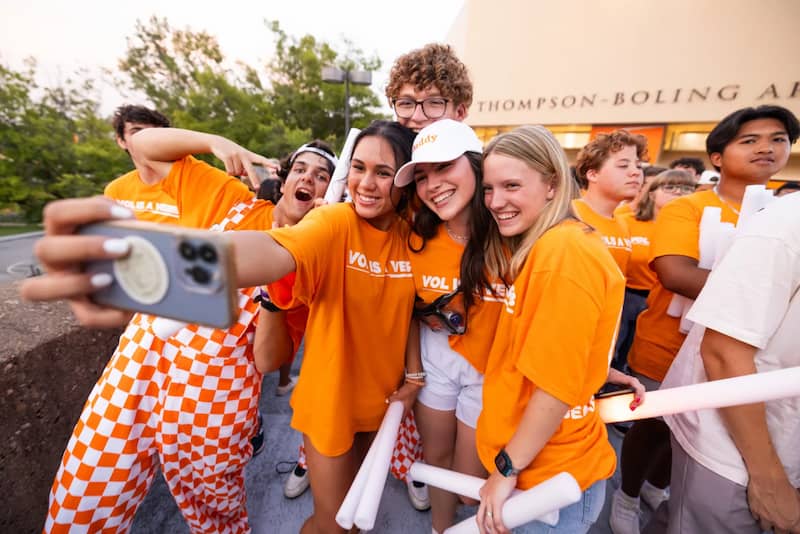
(479, 259)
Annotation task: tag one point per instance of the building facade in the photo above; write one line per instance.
(667, 69)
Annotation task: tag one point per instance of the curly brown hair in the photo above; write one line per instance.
(432, 65)
(593, 155)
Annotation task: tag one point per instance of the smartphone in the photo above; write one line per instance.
(171, 271)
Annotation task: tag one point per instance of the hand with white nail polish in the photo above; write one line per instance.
(62, 253)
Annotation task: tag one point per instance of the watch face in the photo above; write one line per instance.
(503, 463)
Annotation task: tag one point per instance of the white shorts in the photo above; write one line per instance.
(451, 383)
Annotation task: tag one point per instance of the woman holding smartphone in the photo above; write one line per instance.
(349, 260)
(544, 366)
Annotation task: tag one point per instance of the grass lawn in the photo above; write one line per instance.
(12, 229)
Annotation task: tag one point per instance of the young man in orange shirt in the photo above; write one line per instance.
(610, 167)
(139, 189)
(747, 147)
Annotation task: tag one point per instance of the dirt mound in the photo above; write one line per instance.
(49, 366)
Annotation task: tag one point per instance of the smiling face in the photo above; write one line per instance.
(370, 181)
(759, 151)
(446, 188)
(307, 180)
(514, 193)
(619, 177)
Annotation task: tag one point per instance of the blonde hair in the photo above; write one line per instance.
(646, 209)
(536, 147)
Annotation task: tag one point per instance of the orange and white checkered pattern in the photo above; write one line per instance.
(188, 403)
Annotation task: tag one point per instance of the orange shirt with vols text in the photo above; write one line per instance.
(356, 281)
(436, 272)
(556, 332)
(614, 232)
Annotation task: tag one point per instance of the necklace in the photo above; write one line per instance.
(457, 237)
(716, 192)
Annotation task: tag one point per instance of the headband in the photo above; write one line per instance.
(318, 151)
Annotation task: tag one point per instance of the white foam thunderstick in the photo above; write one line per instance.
(367, 508)
(339, 177)
(539, 503)
(345, 517)
(749, 389)
(452, 481)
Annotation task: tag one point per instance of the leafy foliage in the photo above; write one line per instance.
(55, 143)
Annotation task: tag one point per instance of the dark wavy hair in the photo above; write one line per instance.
(140, 114)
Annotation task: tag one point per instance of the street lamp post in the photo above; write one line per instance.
(356, 77)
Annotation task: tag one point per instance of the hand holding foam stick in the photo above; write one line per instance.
(749, 389)
(541, 502)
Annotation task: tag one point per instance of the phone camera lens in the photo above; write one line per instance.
(208, 254)
(187, 251)
(199, 275)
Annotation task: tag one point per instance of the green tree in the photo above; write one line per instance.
(185, 76)
(299, 96)
(53, 144)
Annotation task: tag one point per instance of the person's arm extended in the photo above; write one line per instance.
(160, 146)
(541, 418)
(772, 499)
(259, 259)
(272, 344)
(680, 274)
(407, 393)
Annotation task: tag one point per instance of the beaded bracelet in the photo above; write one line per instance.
(417, 376)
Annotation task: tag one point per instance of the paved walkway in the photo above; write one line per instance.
(271, 513)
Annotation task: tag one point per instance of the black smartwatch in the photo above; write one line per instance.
(504, 465)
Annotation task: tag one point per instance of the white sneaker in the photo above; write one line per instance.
(280, 391)
(297, 483)
(624, 517)
(418, 495)
(653, 496)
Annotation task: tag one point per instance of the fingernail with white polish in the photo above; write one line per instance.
(116, 246)
(120, 212)
(101, 280)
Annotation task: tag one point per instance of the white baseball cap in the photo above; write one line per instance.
(708, 178)
(443, 140)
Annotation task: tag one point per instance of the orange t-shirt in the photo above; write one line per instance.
(148, 202)
(198, 194)
(676, 233)
(613, 231)
(437, 272)
(356, 281)
(640, 275)
(623, 209)
(557, 333)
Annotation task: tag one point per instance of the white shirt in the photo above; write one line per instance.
(753, 296)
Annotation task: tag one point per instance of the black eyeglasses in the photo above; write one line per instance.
(433, 107)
